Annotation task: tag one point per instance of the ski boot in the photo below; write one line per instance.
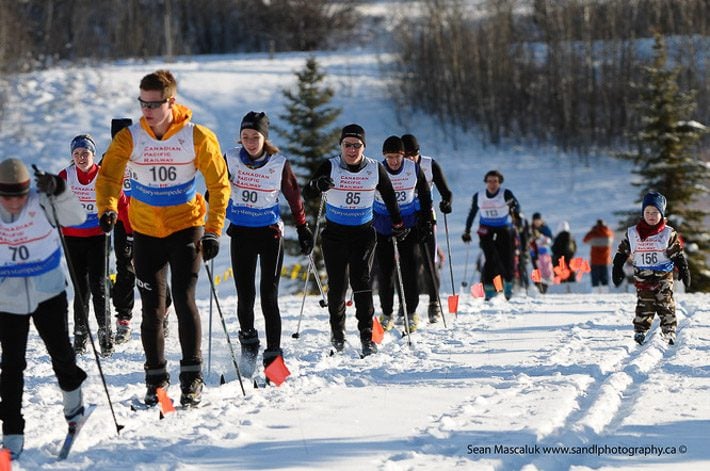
(413, 322)
(123, 331)
(250, 350)
(105, 341)
(508, 289)
(15, 443)
(387, 322)
(639, 337)
(368, 347)
(191, 385)
(434, 312)
(159, 378)
(271, 354)
(80, 337)
(73, 403)
(338, 342)
(670, 337)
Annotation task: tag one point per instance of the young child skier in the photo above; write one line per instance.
(655, 250)
(32, 286)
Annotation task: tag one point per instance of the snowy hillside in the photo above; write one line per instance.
(556, 370)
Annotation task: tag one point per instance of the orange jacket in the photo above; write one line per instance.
(600, 237)
(162, 221)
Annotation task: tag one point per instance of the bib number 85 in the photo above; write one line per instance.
(352, 197)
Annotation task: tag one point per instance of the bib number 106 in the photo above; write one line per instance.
(164, 174)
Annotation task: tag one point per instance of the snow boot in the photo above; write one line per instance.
(191, 384)
(123, 331)
(639, 337)
(387, 322)
(105, 341)
(15, 443)
(434, 312)
(338, 342)
(250, 350)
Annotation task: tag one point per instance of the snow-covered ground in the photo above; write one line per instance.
(539, 371)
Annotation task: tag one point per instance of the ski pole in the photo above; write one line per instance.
(430, 264)
(224, 326)
(297, 334)
(107, 286)
(324, 301)
(209, 332)
(401, 288)
(454, 296)
(464, 283)
(73, 277)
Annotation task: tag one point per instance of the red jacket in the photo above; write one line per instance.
(600, 237)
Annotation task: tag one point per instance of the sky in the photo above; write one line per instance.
(495, 389)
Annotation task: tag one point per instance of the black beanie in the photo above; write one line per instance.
(392, 144)
(353, 130)
(410, 143)
(257, 121)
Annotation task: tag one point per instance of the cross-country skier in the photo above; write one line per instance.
(32, 286)
(258, 173)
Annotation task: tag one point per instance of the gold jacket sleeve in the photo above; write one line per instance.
(211, 164)
(113, 165)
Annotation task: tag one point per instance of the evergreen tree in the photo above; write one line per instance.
(309, 139)
(667, 161)
(309, 114)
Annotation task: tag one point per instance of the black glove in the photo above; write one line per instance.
(683, 272)
(445, 206)
(209, 246)
(128, 248)
(617, 271)
(466, 237)
(48, 183)
(108, 220)
(425, 228)
(305, 238)
(399, 231)
(322, 183)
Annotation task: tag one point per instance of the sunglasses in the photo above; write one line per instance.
(151, 105)
(354, 145)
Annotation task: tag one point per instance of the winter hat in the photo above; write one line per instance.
(14, 178)
(353, 130)
(118, 124)
(654, 199)
(393, 144)
(410, 143)
(563, 227)
(83, 141)
(257, 121)
(537, 216)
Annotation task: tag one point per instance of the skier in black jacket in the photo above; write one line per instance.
(349, 182)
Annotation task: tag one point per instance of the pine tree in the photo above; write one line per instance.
(667, 159)
(309, 140)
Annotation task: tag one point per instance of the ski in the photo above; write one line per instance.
(73, 432)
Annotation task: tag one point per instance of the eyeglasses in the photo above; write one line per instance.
(354, 145)
(151, 105)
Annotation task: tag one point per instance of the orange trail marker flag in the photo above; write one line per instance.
(477, 290)
(498, 283)
(5, 460)
(277, 372)
(535, 276)
(378, 333)
(453, 304)
(166, 405)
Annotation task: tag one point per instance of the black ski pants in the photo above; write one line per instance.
(348, 253)
(50, 320)
(432, 280)
(497, 246)
(387, 277)
(88, 258)
(123, 292)
(153, 257)
(248, 245)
